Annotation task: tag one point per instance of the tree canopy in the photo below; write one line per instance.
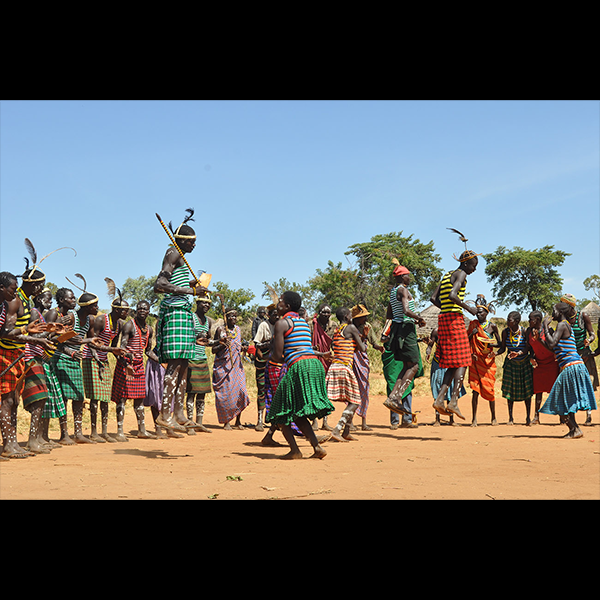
(525, 278)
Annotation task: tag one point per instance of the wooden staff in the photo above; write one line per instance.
(12, 364)
(178, 249)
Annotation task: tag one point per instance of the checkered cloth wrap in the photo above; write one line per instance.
(273, 375)
(69, 375)
(517, 380)
(453, 345)
(34, 388)
(55, 405)
(341, 384)
(198, 377)
(229, 381)
(97, 381)
(572, 391)
(125, 387)
(9, 379)
(175, 337)
(300, 393)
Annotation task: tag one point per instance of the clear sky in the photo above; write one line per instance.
(281, 187)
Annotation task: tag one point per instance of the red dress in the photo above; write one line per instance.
(546, 372)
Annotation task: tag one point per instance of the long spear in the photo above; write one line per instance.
(178, 248)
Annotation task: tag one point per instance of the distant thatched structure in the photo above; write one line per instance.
(430, 314)
(593, 311)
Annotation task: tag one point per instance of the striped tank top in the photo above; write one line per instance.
(343, 349)
(35, 350)
(445, 288)
(106, 336)
(181, 278)
(22, 321)
(80, 329)
(2, 314)
(579, 332)
(566, 352)
(297, 343)
(136, 344)
(199, 331)
(398, 315)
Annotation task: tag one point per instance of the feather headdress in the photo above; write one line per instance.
(190, 217)
(467, 254)
(481, 301)
(35, 264)
(93, 298)
(114, 293)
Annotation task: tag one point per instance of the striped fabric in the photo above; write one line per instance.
(579, 332)
(343, 349)
(453, 348)
(482, 372)
(34, 388)
(200, 330)
(297, 343)
(131, 387)
(398, 315)
(362, 367)
(97, 379)
(198, 377)
(106, 336)
(181, 278)
(445, 289)
(2, 313)
(300, 393)
(229, 381)
(341, 384)
(22, 321)
(155, 376)
(571, 392)
(566, 351)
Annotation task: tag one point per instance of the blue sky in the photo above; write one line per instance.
(281, 187)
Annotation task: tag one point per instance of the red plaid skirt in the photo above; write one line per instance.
(453, 346)
(9, 380)
(126, 388)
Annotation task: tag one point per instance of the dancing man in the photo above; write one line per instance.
(175, 335)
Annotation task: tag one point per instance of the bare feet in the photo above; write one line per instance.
(453, 408)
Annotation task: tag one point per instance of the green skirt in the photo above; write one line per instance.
(517, 380)
(301, 393)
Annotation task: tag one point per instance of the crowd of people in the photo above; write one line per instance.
(50, 356)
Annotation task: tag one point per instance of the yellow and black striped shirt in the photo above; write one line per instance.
(445, 289)
(21, 322)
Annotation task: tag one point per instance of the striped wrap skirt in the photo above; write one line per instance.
(341, 384)
(300, 393)
(572, 391)
(198, 378)
(35, 388)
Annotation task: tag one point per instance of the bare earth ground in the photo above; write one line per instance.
(503, 462)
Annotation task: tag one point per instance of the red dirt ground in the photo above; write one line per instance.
(504, 462)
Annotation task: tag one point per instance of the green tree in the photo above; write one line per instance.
(135, 290)
(592, 284)
(369, 278)
(307, 294)
(238, 299)
(525, 278)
